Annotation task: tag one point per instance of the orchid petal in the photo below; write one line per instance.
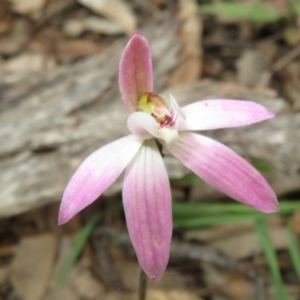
(145, 126)
(147, 205)
(97, 172)
(167, 134)
(135, 71)
(137, 123)
(225, 170)
(214, 114)
(175, 106)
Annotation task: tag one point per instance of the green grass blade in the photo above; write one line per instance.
(213, 220)
(294, 249)
(189, 209)
(194, 209)
(80, 242)
(262, 167)
(266, 243)
(257, 12)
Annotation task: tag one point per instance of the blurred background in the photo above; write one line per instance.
(59, 101)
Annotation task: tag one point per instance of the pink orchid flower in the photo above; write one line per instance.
(155, 121)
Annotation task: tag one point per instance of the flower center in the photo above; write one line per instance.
(156, 118)
(158, 108)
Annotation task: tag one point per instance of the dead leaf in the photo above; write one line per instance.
(28, 62)
(295, 222)
(241, 237)
(32, 266)
(17, 38)
(6, 17)
(129, 274)
(174, 294)
(83, 282)
(190, 57)
(115, 10)
(78, 48)
(80, 283)
(290, 76)
(100, 25)
(4, 281)
(218, 280)
(27, 6)
(250, 69)
(75, 27)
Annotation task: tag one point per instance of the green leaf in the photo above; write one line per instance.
(266, 243)
(257, 12)
(294, 249)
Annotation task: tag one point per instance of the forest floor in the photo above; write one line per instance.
(255, 44)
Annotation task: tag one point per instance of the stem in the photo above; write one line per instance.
(143, 286)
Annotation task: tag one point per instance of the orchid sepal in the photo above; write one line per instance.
(135, 71)
(95, 174)
(148, 210)
(223, 169)
(218, 113)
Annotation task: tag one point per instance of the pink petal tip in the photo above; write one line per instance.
(214, 114)
(135, 71)
(97, 172)
(223, 169)
(148, 210)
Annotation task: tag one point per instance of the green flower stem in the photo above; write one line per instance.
(143, 286)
